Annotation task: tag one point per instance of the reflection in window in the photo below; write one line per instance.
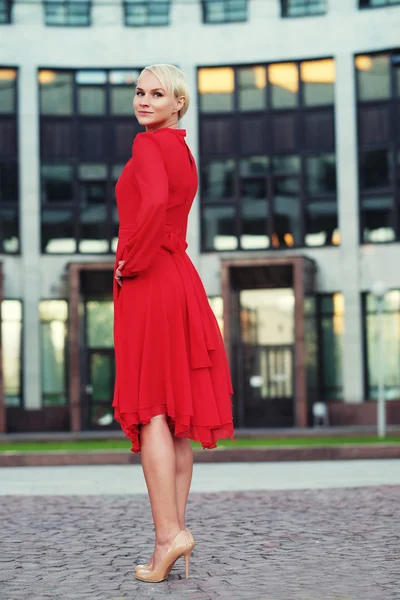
(99, 319)
(375, 167)
(331, 345)
(74, 13)
(57, 183)
(8, 79)
(11, 329)
(252, 83)
(78, 151)
(286, 218)
(219, 228)
(216, 86)
(321, 174)
(286, 165)
(5, 11)
(285, 148)
(254, 165)
(373, 74)
(303, 8)
(377, 3)
(58, 232)
(318, 77)
(224, 11)
(8, 182)
(284, 80)
(56, 92)
(141, 13)
(9, 230)
(391, 345)
(122, 91)
(53, 333)
(377, 219)
(91, 100)
(254, 205)
(217, 180)
(322, 224)
(93, 209)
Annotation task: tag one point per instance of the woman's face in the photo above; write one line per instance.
(154, 106)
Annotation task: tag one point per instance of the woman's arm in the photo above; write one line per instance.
(149, 229)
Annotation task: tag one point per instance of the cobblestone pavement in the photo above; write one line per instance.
(290, 545)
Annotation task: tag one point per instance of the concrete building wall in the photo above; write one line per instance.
(28, 44)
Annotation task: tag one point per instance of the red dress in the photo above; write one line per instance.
(170, 357)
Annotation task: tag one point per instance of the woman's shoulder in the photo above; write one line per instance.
(162, 140)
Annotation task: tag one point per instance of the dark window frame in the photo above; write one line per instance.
(392, 103)
(148, 4)
(68, 5)
(13, 159)
(75, 119)
(308, 6)
(370, 7)
(228, 5)
(269, 112)
(7, 12)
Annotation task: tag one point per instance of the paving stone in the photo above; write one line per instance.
(293, 545)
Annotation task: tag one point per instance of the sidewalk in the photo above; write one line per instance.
(76, 533)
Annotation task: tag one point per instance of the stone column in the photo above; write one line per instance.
(190, 123)
(347, 177)
(30, 232)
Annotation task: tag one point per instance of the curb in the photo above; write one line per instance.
(282, 454)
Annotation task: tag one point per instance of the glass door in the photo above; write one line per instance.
(100, 388)
(267, 357)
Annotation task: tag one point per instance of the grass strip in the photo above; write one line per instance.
(104, 445)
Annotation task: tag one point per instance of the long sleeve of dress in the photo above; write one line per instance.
(149, 229)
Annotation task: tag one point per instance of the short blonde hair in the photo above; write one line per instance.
(172, 79)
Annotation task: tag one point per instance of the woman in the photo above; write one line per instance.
(173, 383)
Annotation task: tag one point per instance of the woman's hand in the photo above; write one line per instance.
(118, 274)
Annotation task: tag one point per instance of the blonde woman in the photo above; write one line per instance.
(173, 383)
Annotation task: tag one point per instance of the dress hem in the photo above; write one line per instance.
(180, 425)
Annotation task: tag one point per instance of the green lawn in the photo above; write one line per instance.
(88, 445)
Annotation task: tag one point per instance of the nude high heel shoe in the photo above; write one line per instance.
(147, 566)
(182, 545)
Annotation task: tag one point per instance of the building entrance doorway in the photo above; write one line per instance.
(266, 339)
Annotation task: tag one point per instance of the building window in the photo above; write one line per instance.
(303, 8)
(5, 12)
(53, 335)
(391, 344)
(331, 329)
(11, 335)
(268, 164)
(86, 134)
(224, 11)
(377, 3)
(378, 93)
(9, 193)
(148, 13)
(68, 13)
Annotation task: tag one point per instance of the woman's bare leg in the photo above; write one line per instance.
(184, 471)
(159, 467)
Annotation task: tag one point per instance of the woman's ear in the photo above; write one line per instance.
(179, 104)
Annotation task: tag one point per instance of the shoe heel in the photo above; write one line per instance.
(187, 559)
